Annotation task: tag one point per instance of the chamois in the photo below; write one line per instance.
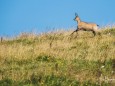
(85, 26)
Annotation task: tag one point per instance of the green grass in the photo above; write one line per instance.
(58, 59)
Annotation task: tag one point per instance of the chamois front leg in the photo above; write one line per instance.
(74, 31)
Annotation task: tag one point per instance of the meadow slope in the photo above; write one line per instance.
(58, 59)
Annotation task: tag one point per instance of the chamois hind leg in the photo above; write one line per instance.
(94, 32)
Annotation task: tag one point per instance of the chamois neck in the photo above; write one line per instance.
(78, 21)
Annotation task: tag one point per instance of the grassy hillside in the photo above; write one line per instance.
(58, 59)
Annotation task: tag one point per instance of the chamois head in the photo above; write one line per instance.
(76, 17)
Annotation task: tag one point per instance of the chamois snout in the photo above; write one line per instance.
(74, 19)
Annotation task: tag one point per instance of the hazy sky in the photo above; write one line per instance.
(43, 15)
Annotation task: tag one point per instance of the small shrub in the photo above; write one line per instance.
(45, 58)
(35, 79)
(6, 82)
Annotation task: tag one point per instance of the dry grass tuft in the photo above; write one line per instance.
(56, 58)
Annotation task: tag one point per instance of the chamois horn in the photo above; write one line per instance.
(76, 14)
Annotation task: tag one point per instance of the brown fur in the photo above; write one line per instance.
(85, 26)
